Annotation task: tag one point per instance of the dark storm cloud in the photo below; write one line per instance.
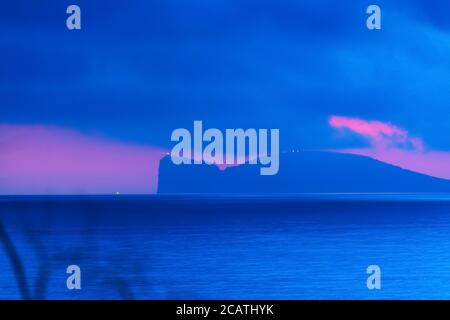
(139, 69)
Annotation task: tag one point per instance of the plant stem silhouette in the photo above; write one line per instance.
(17, 265)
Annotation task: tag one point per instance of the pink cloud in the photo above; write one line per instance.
(394, 145)
(52, 160)
(380, 133)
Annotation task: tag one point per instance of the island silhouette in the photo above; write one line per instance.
(300, 172)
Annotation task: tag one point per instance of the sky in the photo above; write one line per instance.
(137, 70)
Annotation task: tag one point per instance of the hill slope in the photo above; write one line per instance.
(304, 172)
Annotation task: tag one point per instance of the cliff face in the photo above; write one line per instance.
(304, 172)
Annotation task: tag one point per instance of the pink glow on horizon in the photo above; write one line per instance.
(222, 166)
(51, 160)
(393, 145)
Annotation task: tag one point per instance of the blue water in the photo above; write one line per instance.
(184, 247)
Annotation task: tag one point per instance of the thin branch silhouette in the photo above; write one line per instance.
(16, 262)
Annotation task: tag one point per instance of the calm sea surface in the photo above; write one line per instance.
(184, 247)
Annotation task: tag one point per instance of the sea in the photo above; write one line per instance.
(307, 246)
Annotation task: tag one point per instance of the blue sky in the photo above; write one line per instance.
(139, 69)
